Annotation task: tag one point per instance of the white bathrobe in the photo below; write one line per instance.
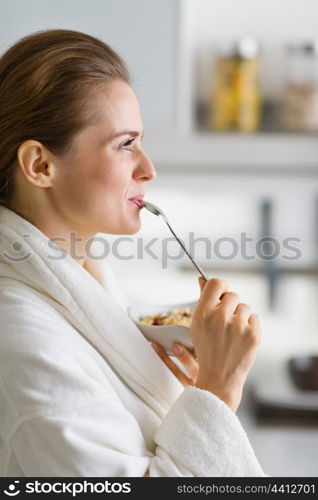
(82, 391)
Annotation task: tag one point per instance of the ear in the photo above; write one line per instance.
(34, 161)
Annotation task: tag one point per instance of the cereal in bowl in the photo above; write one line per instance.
(181, 317)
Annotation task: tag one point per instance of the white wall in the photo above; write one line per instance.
(142, 31)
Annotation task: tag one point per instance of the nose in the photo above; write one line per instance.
(146, 169)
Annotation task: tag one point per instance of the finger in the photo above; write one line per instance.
(187, 359)
(255, 324)
(212, 292)
(254, 321)
(170, 364)
(229, 302)
(242, 312)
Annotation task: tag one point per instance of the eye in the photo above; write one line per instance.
(126, 144)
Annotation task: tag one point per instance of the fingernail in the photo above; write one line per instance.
(177, 349)
(155, 346)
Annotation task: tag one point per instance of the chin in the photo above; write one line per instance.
(130, 230)
(124, 229)
(132, 227)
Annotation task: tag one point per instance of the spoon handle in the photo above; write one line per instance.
(186, 251)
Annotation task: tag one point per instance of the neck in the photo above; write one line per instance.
(72, 238)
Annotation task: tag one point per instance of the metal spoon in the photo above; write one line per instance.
(157, 211)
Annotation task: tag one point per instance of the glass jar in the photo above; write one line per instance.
(235, 99)
(300, 99)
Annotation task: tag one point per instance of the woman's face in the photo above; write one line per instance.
(108, 167)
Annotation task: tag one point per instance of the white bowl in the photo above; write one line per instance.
(165, 335)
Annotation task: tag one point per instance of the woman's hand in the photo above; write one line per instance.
(186, 357)
(225, 335)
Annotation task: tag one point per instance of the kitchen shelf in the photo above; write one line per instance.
(262, 152)
(203, 33)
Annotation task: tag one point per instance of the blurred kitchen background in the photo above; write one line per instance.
(229, 98)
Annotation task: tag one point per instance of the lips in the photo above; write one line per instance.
(138, 200)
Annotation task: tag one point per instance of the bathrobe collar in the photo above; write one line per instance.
(27, 255)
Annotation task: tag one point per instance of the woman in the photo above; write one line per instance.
(83, 393)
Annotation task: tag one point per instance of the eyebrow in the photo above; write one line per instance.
(134, 133)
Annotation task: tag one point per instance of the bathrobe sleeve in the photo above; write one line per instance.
(104, 440)
(61, 416)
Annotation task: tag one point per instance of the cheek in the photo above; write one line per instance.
(110, 181)
(94, 182)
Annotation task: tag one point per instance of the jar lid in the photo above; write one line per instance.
(244, 48)
(247, 48)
